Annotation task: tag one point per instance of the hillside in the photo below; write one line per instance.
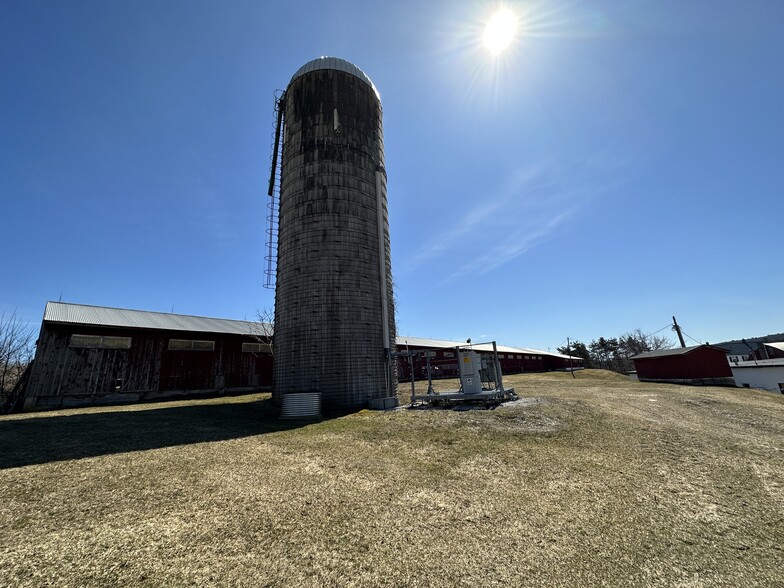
(738, 347)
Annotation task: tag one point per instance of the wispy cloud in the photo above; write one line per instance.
(532, 205)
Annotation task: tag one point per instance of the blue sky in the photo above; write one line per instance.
(620, 163)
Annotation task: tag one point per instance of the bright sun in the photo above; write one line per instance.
(500, 31)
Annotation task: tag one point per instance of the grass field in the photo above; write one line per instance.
(593, 481)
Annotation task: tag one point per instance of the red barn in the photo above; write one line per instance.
(701, 364)
(513, 360)
(98, 355)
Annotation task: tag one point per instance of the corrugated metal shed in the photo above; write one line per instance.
(338, 64)
(81, 314)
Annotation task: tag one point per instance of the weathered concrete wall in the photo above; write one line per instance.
(329, 334)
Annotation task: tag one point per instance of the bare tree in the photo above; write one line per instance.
(637, 341)
(264, 329)
(16, 352)
(616, 353)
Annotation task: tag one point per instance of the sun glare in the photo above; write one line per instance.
(500, 31)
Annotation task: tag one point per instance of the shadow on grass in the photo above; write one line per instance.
(46, 439)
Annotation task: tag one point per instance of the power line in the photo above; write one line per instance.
(660, 330)
(690, 337)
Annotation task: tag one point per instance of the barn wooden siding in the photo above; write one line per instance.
(328, 302)
(70, 376)
(699, 365)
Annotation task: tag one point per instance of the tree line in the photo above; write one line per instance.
(615, 353)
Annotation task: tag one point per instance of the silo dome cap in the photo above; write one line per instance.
(338, 64)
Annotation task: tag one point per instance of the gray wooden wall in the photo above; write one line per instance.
(63, 375)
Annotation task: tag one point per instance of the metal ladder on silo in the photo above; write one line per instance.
(273, 204)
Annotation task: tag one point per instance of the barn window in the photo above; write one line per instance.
(519, 357)
(528, 357)
(448, 354)
(190, 345)
(99, 342)
(86, 341)
(115, 342)
(256, 348)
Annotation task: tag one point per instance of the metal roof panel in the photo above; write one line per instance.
(338, 64)
(82, 314)
(673, 352)
(444, 344)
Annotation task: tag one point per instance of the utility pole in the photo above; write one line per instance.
(569, 352)
(678, 330)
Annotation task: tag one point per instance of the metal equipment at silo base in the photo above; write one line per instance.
(481, 381)
(303, 405)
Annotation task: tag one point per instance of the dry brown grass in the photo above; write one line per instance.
(596, 481)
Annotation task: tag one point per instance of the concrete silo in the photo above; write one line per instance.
(334, 313)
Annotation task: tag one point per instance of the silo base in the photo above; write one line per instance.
(383, 403)
(301, 405)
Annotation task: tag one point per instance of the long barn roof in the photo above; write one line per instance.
(416, 342)
(675, 351)
(83, 314)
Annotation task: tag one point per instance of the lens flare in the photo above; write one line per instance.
(500, 31)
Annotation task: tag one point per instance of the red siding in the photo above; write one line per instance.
(511, 363)
(703, 362)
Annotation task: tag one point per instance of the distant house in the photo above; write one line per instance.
(738, 351)
(767, 374)
(701, 364)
